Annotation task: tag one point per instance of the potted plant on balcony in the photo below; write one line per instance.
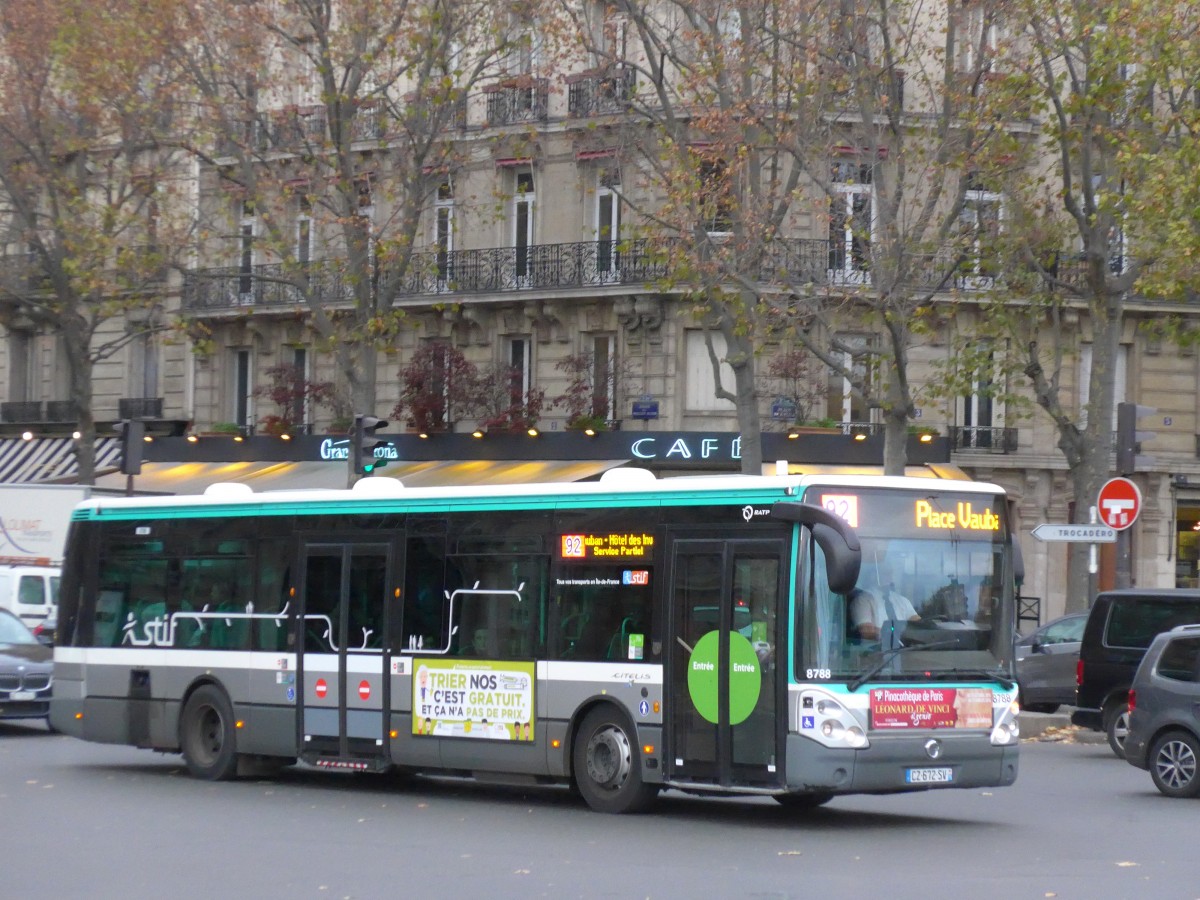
(800, 383)
(292, 393)
(436, 384)
(587, 407)
(501, 405)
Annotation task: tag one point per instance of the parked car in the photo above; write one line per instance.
(46, 631)
(1164, 723)
(1120, 627)
(26, 671)
(1046, 663)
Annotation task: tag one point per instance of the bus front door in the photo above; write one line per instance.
(725, 695)
(343, 666)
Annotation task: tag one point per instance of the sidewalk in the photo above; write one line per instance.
(1056, 726)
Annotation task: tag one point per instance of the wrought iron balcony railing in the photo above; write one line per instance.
(521, 100)
(980, 437)
(22, 411)
(500, 269)
(140, 408)
(783, 263)
(599, 93)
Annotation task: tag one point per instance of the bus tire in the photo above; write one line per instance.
(208, 735)
(607, 765)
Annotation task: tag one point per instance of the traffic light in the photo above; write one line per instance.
(364, 444)
(132, 433)
(1129, 439)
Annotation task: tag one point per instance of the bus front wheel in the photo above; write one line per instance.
(207, 735)
(608, 767)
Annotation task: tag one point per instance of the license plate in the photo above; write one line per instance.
(23, 695)
(929, 776)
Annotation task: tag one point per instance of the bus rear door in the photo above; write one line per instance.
(343, 665)
(724, 692)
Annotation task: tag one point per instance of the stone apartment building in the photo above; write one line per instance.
(527, 254)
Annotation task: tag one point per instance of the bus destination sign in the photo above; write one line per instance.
(966, 514)
(622, 545)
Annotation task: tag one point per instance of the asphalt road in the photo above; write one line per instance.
(89, 820)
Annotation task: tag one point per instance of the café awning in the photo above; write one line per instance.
(193, 478)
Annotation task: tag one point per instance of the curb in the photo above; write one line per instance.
(1056, 726)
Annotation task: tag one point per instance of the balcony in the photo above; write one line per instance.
(582, 264)
(433, 273)
(22, 411)
(518, 100)
(984, 438)
(61, 411)
(600, 93)
(268, 285)
(140, 408)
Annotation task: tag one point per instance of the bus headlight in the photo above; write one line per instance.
(830, 722)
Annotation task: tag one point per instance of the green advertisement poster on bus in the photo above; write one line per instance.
(480, 699)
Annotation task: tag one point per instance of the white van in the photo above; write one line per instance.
(31, 592)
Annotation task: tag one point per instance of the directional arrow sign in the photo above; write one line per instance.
(1091, 534)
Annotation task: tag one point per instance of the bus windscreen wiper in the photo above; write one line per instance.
(887, 657)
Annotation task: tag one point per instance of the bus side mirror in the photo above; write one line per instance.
(835, 537)
(1018, 563)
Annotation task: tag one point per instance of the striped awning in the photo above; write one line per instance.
(50, 460)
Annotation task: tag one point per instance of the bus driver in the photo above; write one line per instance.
(874, 604)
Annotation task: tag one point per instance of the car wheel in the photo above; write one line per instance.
(803, 801)
(207, 734)
(1117, 727)
(1175, 764)
(608, 767)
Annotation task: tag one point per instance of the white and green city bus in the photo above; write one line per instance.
(626, 635)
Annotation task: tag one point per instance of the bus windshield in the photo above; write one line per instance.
(928, 602)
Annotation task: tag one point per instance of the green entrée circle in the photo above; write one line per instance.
(745, 677)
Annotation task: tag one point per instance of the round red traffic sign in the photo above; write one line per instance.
(364, 689)
(1119, 503)
(320, 687)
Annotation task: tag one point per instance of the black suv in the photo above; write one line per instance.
(1120, 627)
(1164, 730)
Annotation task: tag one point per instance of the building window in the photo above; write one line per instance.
(243, 388)
(520, 363)
(701, 386)
(604, 376)
(845, 404)
(304, 232)
(143, 364)
(246, 253)
(608, 225)
(716, 193)
(300, 408)
(523, 207)
(978, 408)
(977, 38)
(21, 370)
(443, 228)
(851, 220)
(981, 218)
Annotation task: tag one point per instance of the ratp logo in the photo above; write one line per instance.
(749, 513)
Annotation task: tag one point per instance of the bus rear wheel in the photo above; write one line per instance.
(608, 767)
(207, 735)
